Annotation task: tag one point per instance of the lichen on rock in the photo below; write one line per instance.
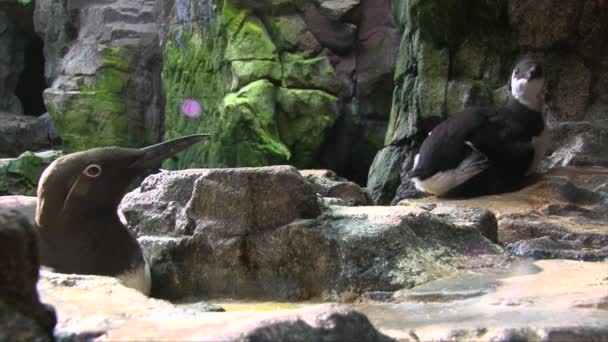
(19, 176)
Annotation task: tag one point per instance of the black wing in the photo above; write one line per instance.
(446, 146)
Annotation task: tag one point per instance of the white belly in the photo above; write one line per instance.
(541, 144)
(444, 181)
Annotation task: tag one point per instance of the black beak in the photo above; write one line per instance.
(154, 155)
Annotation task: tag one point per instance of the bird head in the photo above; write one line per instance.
(527, 83)
(95, 180)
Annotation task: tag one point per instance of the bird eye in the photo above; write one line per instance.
(516, 71)
(92, 170)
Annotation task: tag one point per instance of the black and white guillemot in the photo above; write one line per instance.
(487, 150)
(76, 213)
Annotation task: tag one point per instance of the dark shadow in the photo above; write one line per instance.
(32, 82)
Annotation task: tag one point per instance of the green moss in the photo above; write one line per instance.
(247, 37)
(194, 68)
(287, 30)
(305, 117)
(245, 72)
(94, 114)
(309, 73)
(25, 2)
(248, 122)
(20, 176)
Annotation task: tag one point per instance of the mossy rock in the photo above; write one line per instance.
(309, 73)
(249, 127)
(245, 72)
(247, 36)
(304, 120)
(93, 113)
(287, 30)
(19, 176)
(194, 68)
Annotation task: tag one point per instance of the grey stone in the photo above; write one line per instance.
(20, 133)
(384, 174)
(23, 315)
(328, 184)
(258, 233)
(547, 247)
(338, 326)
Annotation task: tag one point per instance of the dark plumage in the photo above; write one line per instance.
(78, 197)
(486, 150)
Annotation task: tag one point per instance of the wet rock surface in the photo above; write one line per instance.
(261, 233)
(525, 301)
(562, 214)
(100, 307)
(545, 301)
(23, 316)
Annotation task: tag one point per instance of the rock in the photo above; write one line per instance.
(315, 73)
(105, 64)
(336, 9)
(547, 247)
(19, 133)
(305, 118)
(328, 184)
(24, 317)
(258, 233)
(250, 126)
(94, 306)
(19, 176)
(562, 214)
(490, 305)
(24, 205)
(247, 71)
(384, 174)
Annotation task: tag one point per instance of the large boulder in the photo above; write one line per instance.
(259, 233)
(23, 316)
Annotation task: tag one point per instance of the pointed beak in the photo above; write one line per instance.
(154, 155)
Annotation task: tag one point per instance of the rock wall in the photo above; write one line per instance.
(104, 62)
(454, 55)
(304, 83)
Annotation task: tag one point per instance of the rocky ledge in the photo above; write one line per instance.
(562, 214)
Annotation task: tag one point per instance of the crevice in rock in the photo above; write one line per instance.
(32, 81)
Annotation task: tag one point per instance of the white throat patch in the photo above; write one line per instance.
(528, 93)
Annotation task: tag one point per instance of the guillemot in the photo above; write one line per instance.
(483, 150)
(76, 213)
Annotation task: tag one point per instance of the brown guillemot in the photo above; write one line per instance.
(76, 213)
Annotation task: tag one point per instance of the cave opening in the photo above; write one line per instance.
(32, 82)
